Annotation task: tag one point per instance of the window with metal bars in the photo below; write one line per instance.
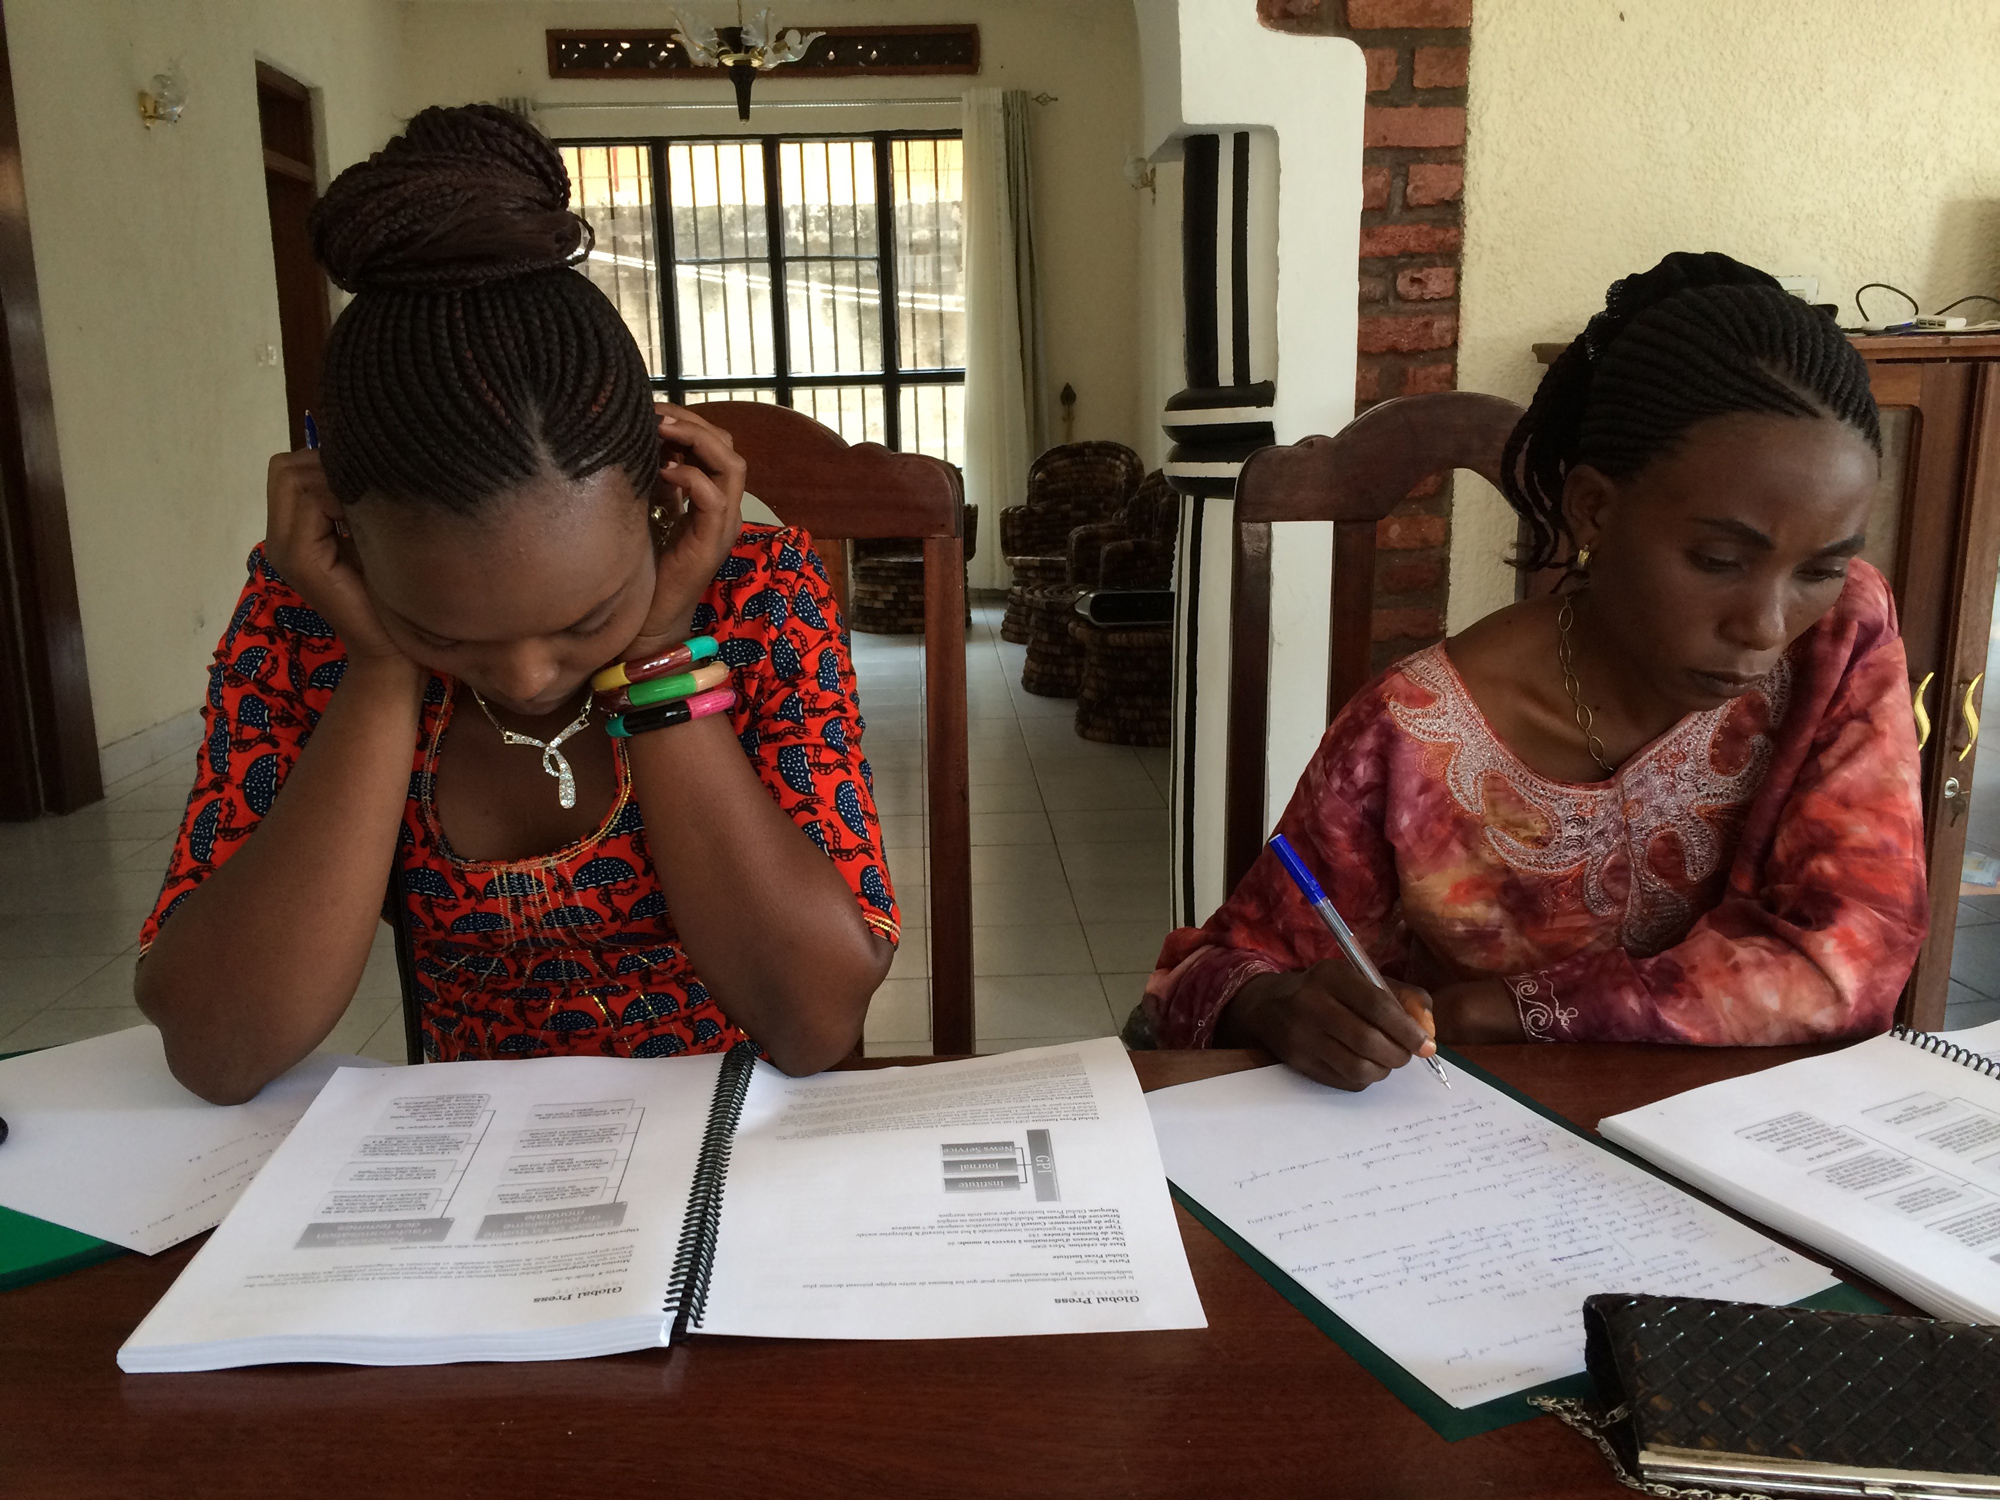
(824, 274)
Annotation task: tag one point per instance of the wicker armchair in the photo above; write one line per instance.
(1069, 486)
(885, 581)
(1136, 549)
(1124, 674)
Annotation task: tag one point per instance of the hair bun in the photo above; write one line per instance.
(1680, 271)
(462, 196)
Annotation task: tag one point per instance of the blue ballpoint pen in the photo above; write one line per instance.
(1356, 954)
(312, 431)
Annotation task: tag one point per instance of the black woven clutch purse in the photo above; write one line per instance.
(1707, 1398)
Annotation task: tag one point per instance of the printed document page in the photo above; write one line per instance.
(102, 1140)
(1882, 1155)
(1456, 1229)
(1013, 1194)
(473, 1210)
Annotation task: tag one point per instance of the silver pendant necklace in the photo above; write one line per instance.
(553, 761)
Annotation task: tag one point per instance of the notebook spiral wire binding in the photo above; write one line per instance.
(1941, 1046)
(694, 1259)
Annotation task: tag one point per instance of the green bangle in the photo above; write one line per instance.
(660, 689)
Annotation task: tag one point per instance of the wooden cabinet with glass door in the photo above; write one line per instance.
(1935, 533)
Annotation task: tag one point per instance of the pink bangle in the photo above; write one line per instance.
(665, 715)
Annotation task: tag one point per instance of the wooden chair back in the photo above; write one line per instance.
(1354, 479)
(812, 478)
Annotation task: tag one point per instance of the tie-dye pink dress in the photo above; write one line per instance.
(1753, 876)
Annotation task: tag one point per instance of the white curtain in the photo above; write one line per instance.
(1005, 386)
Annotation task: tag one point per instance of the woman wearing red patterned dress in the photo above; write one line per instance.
(1677, 802)
(406, 682)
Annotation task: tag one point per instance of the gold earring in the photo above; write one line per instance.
(1583, 559)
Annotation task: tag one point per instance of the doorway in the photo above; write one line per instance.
(291, 187)
(48, 731)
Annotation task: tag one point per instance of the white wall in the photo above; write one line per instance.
(153, 254)
(1858, 141)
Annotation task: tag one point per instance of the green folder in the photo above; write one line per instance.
(34, 1249)
(1452, 1422)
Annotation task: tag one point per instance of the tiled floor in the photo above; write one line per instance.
(1069, 864)
(1069, 851)
(1975, 950)
(73, 892)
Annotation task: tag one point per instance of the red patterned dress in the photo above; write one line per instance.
(574, 951)
(1753, 876)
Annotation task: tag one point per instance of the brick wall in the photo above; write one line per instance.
(1412, 177)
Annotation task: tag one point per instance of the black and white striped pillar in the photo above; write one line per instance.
(1228, 283)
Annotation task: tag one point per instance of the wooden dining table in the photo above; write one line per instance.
(1258, 1403)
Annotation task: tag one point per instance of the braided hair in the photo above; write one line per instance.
(1698, 336)
(472, 358)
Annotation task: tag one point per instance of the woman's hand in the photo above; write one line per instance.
(1331, 1024)
(1464, 1010)
(300, 540)
(701, 485)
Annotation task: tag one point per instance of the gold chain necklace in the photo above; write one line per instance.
(552, 756)
(1586, 716)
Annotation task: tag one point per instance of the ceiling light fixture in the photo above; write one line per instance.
(746, 49)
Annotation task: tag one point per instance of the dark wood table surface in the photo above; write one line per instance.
(1259, 1403)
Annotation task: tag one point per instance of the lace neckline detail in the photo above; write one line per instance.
(1432, 668)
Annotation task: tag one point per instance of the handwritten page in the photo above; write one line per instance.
(1456, 1229)
(1013, 1194)
(102, 1140)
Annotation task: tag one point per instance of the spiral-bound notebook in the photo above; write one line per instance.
(1884, 1155)
(560, 1207)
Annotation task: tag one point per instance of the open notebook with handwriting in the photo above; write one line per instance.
(1447, 1238)
(568, 1206)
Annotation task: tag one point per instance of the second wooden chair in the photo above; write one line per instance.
(811, 478)
(1354, 479)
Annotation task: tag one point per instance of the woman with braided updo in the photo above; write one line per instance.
(1674, 802)
(499, 514)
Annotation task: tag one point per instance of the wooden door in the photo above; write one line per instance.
(48, 730)
(291, 186)
(1943, 421)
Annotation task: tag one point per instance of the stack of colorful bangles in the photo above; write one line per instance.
(653, 692)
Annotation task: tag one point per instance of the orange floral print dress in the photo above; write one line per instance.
(575, 951)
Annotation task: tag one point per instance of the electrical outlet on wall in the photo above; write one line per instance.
(267, 354)
(1806, 288)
